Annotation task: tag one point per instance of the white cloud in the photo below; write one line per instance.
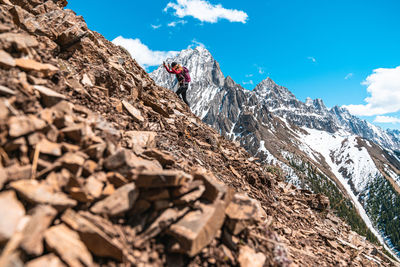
(349, 76)
(260, 70)
(196, 43)
(387, 119)
(175, 23)
(249, 82)
(155, 27)
(205, 11)
(249, 75)
(142, 53)
(384, 87)
(312, 59)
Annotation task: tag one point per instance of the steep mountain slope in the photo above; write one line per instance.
(100, 166)
(271, 124)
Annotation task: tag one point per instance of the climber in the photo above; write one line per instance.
(182, 74)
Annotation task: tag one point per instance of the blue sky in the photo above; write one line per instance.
(316, 48)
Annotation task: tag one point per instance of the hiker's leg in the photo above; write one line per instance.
(184, 89)
(179, 91)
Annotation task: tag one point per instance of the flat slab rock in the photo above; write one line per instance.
(124, 160)
(198, 228)
(32, 65)
(5, 90)
(6, 60)
(214, 188)
(40, 193)
(23, 125)
(243, 211)
(249, 258)
(11, 212)
(134, 112)
(164, 178)
(49, 260)
(68, 246)
(21, 41)
(33, 233)
(49, 97)
(95, 239)
(141, 140)
(119, 202)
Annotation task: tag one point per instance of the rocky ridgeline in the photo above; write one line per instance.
(99, 166)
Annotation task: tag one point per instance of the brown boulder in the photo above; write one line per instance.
(6, 91)
(134, 112)
(12, 211)
(94, 187)
(214, 188)
(23, 125)
(116, 179)
(48, 260)
(17, 172)
(119, 202)
(162, 222)
(77, 132)
(164, 158)
(33, 233)
(50, 148)
(95, 239)
(20, 41)
(124, 160)
(72, 161)
(6, 60)
(68, 246)
(96, 151)
(49, 97)
(41, 193)
(241, 212)
(89, 167)
(197, 228)
(140, 140)
(32, 65)
(249, 258)
(162, 178)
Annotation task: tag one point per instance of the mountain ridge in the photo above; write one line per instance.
(271, 124)
(389, 139)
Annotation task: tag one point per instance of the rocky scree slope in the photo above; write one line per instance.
(100, 166)
(306, 139)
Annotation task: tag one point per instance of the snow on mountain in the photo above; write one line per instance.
(273, 125)
(352, 165)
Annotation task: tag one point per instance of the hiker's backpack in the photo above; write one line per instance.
(186, 75)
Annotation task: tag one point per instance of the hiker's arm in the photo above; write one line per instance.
(167, 69)
(177, 71)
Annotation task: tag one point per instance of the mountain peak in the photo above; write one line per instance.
(319, 104)
(229, 82)
(202, 49)
(268, 88)
(268, 82)
(199, 49)
(309, 101)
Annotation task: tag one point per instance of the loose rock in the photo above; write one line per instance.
(12, 211)
(119, 202)
(67, 244)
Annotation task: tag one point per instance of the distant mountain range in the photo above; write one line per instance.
(325, 150)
